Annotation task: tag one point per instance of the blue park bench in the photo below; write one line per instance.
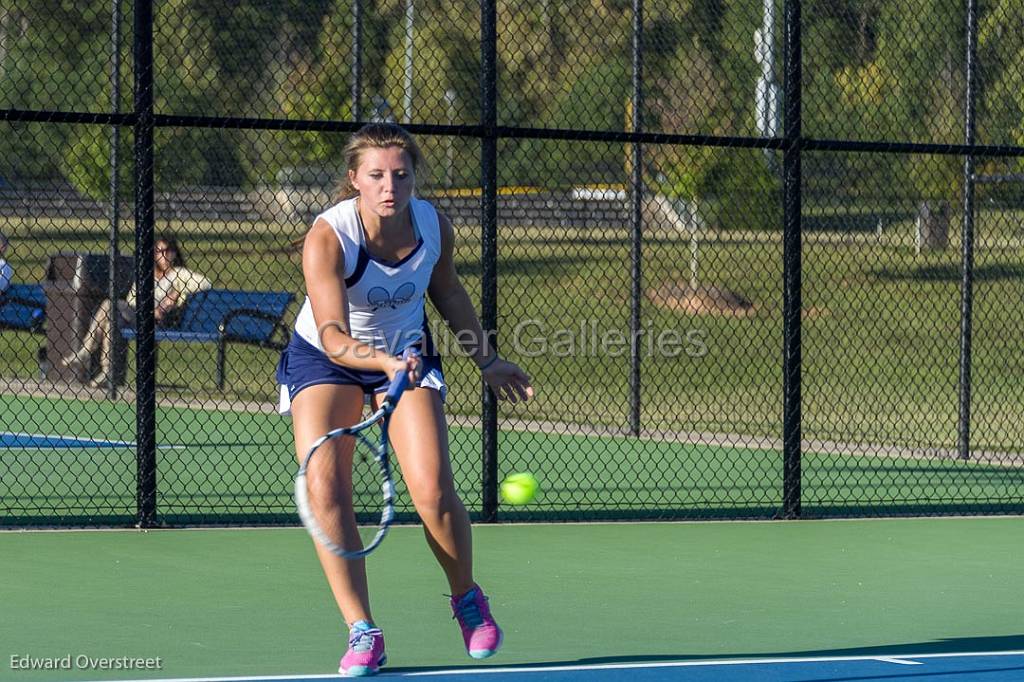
(23, 307)
(224, 316)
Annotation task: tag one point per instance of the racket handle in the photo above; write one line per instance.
(401, 380)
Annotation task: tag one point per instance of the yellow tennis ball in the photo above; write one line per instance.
(519, 488)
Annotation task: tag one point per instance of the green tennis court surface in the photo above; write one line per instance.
(240, 463)
(253, 602)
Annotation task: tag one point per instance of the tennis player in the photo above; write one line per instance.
(369, 261)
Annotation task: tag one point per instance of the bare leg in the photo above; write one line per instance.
(106, 346)
(420, 437)
(315, 411)
(95, 336)
(99, 329)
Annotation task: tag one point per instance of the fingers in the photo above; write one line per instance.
(515, 390)
(414, 366)
(411, 365)
(525, 391)
(512, 385)
(523, 384)
(513, 393)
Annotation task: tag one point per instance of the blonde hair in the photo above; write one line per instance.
(374, 136)
(370, 136)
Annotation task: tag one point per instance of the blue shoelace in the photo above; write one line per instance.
(360, 640)
(467, 611)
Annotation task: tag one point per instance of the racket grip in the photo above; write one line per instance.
(401, 380)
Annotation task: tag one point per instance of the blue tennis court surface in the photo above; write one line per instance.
(1000, 666)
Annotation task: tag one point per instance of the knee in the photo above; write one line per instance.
(433, 498)
(102, 315)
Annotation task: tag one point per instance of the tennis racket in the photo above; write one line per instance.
(351, 464)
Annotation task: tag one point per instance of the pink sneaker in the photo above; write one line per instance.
(481, 634)
(365, 653)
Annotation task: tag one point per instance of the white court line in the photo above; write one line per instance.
(86, 441)
(601, 666)
(98, 441)
(897, 661)
(708, 663)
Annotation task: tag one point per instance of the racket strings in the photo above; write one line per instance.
(343, 485)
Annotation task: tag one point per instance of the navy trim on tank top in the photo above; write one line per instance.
(361, 260)
(364, 253)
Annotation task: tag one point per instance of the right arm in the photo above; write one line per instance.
(323, 266)
(165, 307)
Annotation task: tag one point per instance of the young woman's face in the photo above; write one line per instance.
(163, 256)
(384, 180)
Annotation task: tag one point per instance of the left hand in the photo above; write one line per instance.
(412, 364)
(508, 381)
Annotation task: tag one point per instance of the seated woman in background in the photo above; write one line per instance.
(173, 283)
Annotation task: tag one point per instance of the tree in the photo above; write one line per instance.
(53, 60)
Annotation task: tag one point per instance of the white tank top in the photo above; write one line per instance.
(385, 300)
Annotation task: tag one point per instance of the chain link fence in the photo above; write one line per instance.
(760, 259)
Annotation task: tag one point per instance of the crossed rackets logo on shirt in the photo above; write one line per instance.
(379, 297)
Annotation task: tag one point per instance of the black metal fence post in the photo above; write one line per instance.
(792, 265)
(489, 243)
(357, 60)
(967, 256)
(145, 366)
(636, 219)
(115, 191)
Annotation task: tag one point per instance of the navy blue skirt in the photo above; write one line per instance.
(303, 365)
